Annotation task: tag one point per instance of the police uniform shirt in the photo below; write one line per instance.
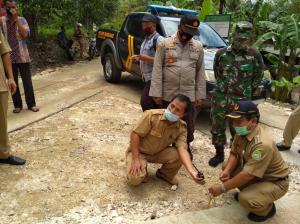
(178, 69)
(157, 133)
(259, 156)
(4, 48)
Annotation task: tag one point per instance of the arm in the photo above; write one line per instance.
(200, 78)
(136, 164)
(230, 166)
(186, 160)
(23, 29)
(8, 71)
(258, 70)
(143, 57)
(156, 89)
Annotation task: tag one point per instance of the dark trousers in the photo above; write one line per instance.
(147, 102)
(24, 69)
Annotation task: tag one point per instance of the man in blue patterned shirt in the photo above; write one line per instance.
(146, 58)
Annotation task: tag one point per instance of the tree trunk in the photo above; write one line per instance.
(221, 6)
(31, 16)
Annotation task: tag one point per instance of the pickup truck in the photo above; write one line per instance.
(116, 47)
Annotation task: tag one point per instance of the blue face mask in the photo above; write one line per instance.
(243, 130)
(170, 116)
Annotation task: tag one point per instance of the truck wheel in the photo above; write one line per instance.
(111, 72)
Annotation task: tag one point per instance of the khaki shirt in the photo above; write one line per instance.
(4, 48)
(259, 156)
(178, 69)
(157, 133)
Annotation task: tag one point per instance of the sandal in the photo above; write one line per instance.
(161, 176)
(17, 110)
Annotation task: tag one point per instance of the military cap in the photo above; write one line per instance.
(243, 109)
(244, 30)
(191, 24)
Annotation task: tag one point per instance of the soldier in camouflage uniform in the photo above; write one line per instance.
(238, 70)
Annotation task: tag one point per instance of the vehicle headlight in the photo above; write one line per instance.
(210, 76)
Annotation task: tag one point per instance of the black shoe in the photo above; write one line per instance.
(282, 147)
(13, 160)
(258, 218)
(216, 160)
(236, 196)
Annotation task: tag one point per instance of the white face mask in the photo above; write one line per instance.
(170, 116)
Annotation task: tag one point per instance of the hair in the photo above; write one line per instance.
(249, 117)
(184, 99)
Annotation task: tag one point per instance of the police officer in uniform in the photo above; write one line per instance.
(146, 58)
(255, 166)
(179, 69)
(238, 70)
(151, 141)
(5, 86)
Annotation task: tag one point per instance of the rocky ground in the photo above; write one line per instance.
(76, 171)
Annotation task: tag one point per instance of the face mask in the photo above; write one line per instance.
(170, 116)
(8, 12)
(185, 37)
(243, 131)
(147, 31)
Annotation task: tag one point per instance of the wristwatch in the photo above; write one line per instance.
(223, 189)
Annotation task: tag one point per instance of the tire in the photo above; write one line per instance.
(111, 72)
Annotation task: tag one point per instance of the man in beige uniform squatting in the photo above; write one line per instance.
(5, 63)
(179, 69)
(255, 166)
(151, 141)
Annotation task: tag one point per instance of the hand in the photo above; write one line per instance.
(136, 167)
(158, 100)
(14, 14)
(197, 102)
(224, 176)
(12, 86)
(215, 190)
(135, 57)
(196, 178)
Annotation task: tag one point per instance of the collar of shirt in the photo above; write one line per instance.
(151, 36)
(253, 133)
(163, 118)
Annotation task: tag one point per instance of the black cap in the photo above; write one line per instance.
(149, 18)
(244, 108)
(191, 24)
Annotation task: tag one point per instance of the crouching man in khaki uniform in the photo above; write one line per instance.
(151, 142)
(254, 166)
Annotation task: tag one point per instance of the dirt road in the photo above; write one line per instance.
(75, 170)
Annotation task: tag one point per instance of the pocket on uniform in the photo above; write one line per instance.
(155, 133)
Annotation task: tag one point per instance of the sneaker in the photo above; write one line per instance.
(282, 147)
(13, 160)
(259, 218)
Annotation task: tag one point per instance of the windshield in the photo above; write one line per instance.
(208, 37)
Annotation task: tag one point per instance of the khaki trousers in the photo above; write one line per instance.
(258, 195)
(169, 158)
(4, 147)
(292, 127)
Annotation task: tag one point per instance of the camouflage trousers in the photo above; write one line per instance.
(221, 105)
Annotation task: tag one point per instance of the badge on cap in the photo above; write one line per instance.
(236, 107)
(257, 154)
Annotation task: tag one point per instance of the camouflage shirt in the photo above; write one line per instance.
(237, 75)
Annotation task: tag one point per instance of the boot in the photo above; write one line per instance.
(218, 158)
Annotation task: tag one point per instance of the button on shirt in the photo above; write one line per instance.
(178, 69)
(148, 48)
(259, 155)
(4, 49)
(157, 133)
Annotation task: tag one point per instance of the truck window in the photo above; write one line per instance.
(134, 26)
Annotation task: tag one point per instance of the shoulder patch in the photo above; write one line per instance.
(257, 139)
(257, 154)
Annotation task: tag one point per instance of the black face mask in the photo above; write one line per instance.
(147, 31)
(185, 37)
(8, 12)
